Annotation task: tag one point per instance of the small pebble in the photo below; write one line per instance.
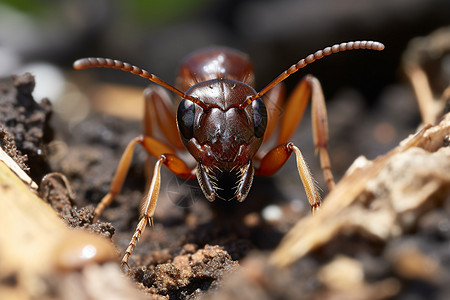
(272, 213)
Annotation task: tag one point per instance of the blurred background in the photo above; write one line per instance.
(371, 106)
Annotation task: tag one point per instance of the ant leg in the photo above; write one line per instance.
(277, 157)
(148, 203)
(320, 129)
(159, 107)
(159, 113)
(152, 145)
(294, 111)
(147, 207)
(273, 101)
(146, 211)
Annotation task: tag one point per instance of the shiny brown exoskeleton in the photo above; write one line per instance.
(222, 121)
(223, 138)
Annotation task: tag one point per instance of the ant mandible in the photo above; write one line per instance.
(222, 122)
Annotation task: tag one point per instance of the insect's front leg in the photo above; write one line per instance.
(308, 88)
(165, 155)
(277, 157)
(293, 113)
(275, 98)
(156, 150)
(148, 203)
(159, 106)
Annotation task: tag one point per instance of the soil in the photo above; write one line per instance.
(219, 250)
(24, 121)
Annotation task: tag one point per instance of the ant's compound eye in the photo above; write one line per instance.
(259, 117)
(185, 118)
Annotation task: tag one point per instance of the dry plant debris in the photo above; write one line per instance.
(36, 245)
(425, 63)
(382, 198)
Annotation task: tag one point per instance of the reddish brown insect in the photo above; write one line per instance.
(222, 122)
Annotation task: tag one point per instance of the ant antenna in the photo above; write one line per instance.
(370, 45)
(98, 62)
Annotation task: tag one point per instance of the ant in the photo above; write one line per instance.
(222, 121)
